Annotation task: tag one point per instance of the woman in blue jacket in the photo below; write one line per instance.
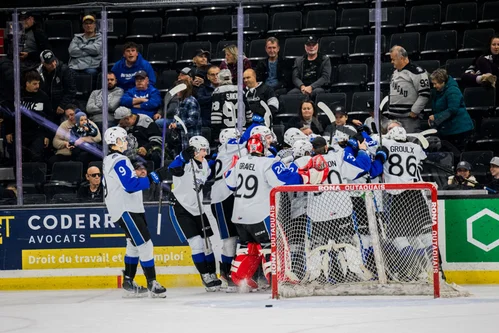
(450, 116)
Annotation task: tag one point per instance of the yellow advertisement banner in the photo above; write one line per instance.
(100, 258)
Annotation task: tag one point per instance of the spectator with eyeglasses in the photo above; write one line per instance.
(91, 190)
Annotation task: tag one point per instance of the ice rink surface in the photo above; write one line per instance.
(194, 310)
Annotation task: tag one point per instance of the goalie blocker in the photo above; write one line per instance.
(422, 262)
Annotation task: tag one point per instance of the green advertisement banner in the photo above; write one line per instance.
(472, 230)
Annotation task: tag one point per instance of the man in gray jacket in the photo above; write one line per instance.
(94, 104)
(85, 49)
(312, 71)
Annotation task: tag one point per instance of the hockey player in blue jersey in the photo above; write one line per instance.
(123, 198)
(185, 213)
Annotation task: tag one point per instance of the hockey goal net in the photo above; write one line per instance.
(356, 239)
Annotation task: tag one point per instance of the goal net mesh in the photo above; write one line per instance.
(356, 239)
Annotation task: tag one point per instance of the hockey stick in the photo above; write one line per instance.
(168, 97)
(327, 111)
(181, 123)
(381, 106)
(267, 115)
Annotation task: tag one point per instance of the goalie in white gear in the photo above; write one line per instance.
(123, 198)
(252, 177)
(185, 213)
(406, 213)
(222, 201)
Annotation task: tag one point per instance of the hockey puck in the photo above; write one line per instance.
(268, 305)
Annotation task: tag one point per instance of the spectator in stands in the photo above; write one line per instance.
(152, 193)
(307, 120)
(58, 83)
(64, 144)
(205, 92)
(82, 128)
(132, 62)
(94, 104)
(409, 90)
(494, 171)
(201, 65)
(32, 42)
(462, 180)
(144, 131)
(85, 50)
(8, 195)
(485, 69)
(230, 61)
(91, 190)
(273, 70)
(187, 74)
(259, 91)
(370, 122)
(144, 98)
(7, 83)
(312, 71)
(190, 113)
(449, 116)
(34, 136)
(341, 119)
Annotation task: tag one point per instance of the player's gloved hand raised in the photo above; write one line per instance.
(258, 119)
(382, 154)
(355, 140)
(188, 153)
(363, 128)
(158, 175)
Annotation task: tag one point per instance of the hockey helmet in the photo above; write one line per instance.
(301, 148)
(226, 134)
(256, 144)
(112, 135)
(343, 134)
(224, 77)
(397, 133)
(265, 131)
(199, 142)
(292, 135)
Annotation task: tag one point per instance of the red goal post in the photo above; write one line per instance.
(281, 253)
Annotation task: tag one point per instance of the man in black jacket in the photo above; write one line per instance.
(35, 137)
(273, 70)
(58, 83)
(259, 91)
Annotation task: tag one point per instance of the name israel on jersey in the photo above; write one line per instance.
(399, 89)
(402, 149)
(247, 166)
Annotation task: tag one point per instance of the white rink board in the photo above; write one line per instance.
(192, 310)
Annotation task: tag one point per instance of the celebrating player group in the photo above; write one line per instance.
(242, 173)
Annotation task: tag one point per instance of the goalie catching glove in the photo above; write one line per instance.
(315, 171)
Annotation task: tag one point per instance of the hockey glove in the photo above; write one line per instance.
(187, 154)
(382, 154)
(363, 128)
(355, 140)
(258, 119)
(158, 175)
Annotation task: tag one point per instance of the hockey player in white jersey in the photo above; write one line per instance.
(291, 135)
(123, 198)
(251, 178)
(222, 201)
(185, 214)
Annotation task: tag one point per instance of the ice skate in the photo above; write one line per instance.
(211, 282)
(227, 284)
(156, 290)
(132, 289)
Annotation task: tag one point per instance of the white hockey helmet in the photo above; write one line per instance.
(263, 130)
(112, 135)
(292, 135)
(226, 134)
(397, 133)
(342, 135)
(199, 142)
(301, 148)
(224, 77)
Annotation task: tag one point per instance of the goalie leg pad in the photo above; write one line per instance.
(245, 265)
(266, 261)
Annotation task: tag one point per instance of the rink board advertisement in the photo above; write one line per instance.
(81, 241)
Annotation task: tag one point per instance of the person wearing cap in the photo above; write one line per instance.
(187, 74)
(145, 133)
(132, 62)
(450, 116)
(273, 70)
(94, 103)
(58, 83)
(201, 65)
(341, 119)
(34, 136)
(463, 178)
(152, 193)
(85, 50)
(32, 42)
(307, 119)
(231, 59)
(144, 98)
(494, 171)
(312, 71)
